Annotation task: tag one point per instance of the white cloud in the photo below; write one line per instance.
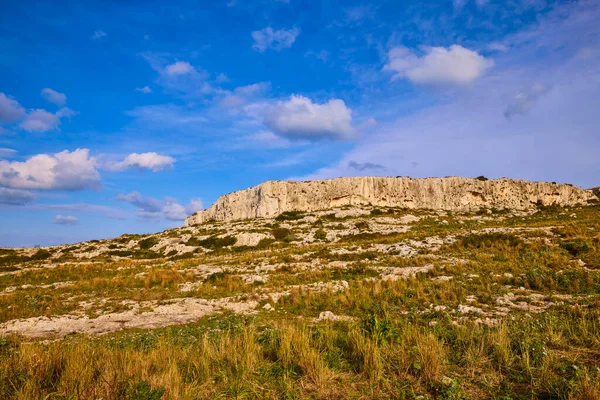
(10, 109)
(15, 196)
(5, 152)
(193, 206)
(268, 38)
(145, 89)
(66, 170)
(241, 94)
(455, 65)
(300, 118)
(524, 100)
(65, 220)
(497, 46)
(42, 121)
(267, 139)
(149, 208)
(54, 97)
(179, 68)
(222, 78)
(98, 34)
(467, 133)
(150, 161)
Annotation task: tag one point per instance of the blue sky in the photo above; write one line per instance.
(126, 116)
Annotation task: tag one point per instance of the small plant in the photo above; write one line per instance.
(146, 244)
(362, 225)
(320, 234)
(215, 242)
(482, 178)
(283, 235)
(265, 243)
(41, 255)
(143, 391)
(290, 216)
(576, 247)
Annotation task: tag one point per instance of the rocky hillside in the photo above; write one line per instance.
(451, 194)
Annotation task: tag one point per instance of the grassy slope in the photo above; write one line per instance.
(406, 338)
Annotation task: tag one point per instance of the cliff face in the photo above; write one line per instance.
(453, 193)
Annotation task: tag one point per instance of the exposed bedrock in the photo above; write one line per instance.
(271, 198)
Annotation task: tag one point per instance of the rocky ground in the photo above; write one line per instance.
(477, 269)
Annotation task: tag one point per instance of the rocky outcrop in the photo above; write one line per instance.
(452, 193)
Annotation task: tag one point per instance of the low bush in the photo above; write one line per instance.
(290, 216)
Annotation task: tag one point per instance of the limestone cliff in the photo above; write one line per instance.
(452, 193)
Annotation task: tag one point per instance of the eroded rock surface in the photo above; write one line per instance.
(452, 193)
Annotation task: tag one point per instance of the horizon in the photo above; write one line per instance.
(127, 117)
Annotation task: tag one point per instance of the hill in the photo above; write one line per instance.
(357, 301)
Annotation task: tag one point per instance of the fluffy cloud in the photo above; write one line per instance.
(149, 208)
(193, 206)
(455, 65)
(150, 161)
(268, 38)
(300, 118)
(43, 121)
(65, 220)
(10, 109)
(524, 101)
(54, 97)
(15, 196)
(179, 68)
(66, 170)
(35, 120)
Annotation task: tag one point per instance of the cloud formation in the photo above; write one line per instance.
(54, 97)
(365, 166)
(98, 34)
(38, 120)
(179, 68)
(10, 109)
(524, 101)
(65, 220)
(300, 118)
(144, 161)
(146, 89)
(241, 94)
(66, 170)
(5, 152)
(152, 209)
(454, 65)
(15, 196)
(268, 38)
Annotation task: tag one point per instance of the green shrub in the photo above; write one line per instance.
(143, 391)
(147, 243)
(41, 255)
(362, 225)
(283, 235)
(576, 247)
(320, 234)
(290, 216)
(215, 242)
(376, 212)
(486, 240)
(264, 243)
(482, 178)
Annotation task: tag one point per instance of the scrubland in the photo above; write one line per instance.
(347, 303)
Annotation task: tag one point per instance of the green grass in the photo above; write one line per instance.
(402, 338)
